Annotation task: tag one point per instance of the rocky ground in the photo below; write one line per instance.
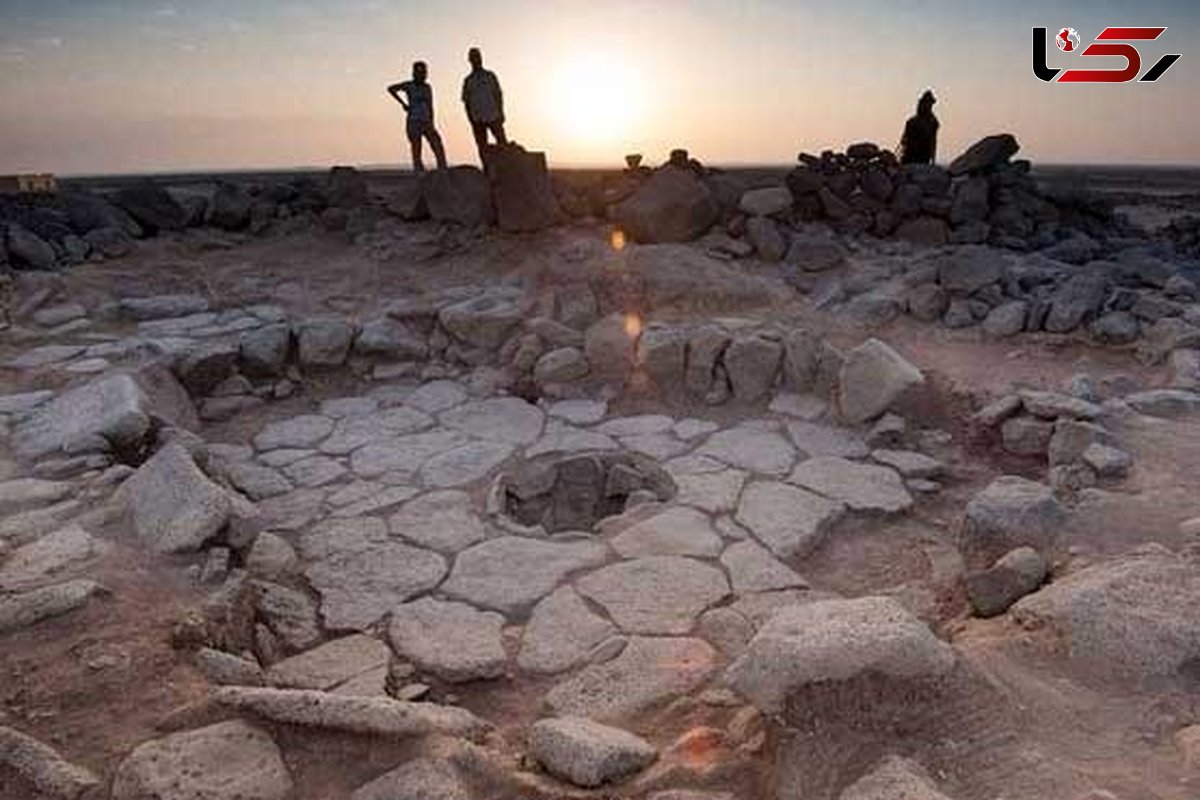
(670, 484)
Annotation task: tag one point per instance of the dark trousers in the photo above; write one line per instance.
(425, 130)
(480, 130)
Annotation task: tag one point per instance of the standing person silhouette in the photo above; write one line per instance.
(919, 143)
(485, 103)
(419, 109)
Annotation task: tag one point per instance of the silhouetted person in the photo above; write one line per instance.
(919, 143)
(484, 101)
(420, 115)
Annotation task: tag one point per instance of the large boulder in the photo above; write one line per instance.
(766, 202)
(486, 320)
(587, 753)
(27, 250)
(986, 154)
(1015, 575)
(459, 194)
(1011, 512)
(1127, 617)
(522, 189)
(346, 187)
(88, 212)
(831, 641)
(673, 206)
(227, 761)
(1077, 301)
(174, 506)
(152, 206)
(230, 208)
(873, 377)
(114, 412)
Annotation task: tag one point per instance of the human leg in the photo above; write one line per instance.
(498, 132)
(435, 144)
(479, 131)
(414, 142)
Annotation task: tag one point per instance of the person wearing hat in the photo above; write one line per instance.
(919, 143)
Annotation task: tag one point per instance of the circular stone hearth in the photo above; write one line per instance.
(574, 492)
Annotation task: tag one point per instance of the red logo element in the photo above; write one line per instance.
(1111, 42)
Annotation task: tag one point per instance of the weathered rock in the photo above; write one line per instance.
(174, 506)
(987, 153)
(511, 573)
(324, 342)
(294, 432)
(910, 464)
(1164, 402)
(649, 671)
(563, 365)
(587, 753)
(227, 761)
(1071, 438)
(894, 778)
(924, 231)
(790, 521)
(454, 641)
(330, 664)
(766, 202)
(1107, 461)
(1015, 575)
(226, 669)
(200, 369)
(816, 250)
(460, 194)
(43, 767)
(657, 594)
(1006, 320)
(769, 243)
(966, 270)
(23, 609)
(152, 206)
(389, 338)
(836, 640)
(752, 363)
(1053, 405)
(609, 346)
(1011, 512)
(264, 352)
(673, 206)
(1026, 436)
(817, 439)
(1122, 617)
(290, 614)
(442, 521)
(862, 487)
(374, 716)
(676, 531)
(752, 568)
(484, 321)
(750, 448)
(521, 189)
(1076, 301)
(230, 209)
(562, 633)
(873, 378)
(420, 779)
(27, 250)
(47, 558)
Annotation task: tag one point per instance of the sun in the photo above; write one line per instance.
(598, 100)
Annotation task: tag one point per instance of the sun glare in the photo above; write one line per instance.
(598, 100)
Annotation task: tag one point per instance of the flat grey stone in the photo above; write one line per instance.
(659, 446)
(24, 402)
(714, 492)
(270, 556)
(587, 753)
(175, 507)
(873, 377)
(444, 521)
(910, 464)
(565, 439)
(862, 487)
(420, 779)
(330, 664)
(23, 494)
(315, 471)
(689, 429)
(436, 396)
(47, 558)
(256, 481)
(637, 426)
(752, 568)
(789, 520)
(508, 420)
(297, 432)
(284, 456)
(227, 761)
(1052, 405)
(289, 614)
(657, 594)
(354, 432)
(162, 306)
(836, 640)
(561, 634)
(292, 511)
(45, 355)
(674, 531)
(512, 573)
(694, 465)
(384, 498)
(226, 669)
(465, 464)
(826, 440)
(1010, 512)
(404, 454)
(647, 673)
(579, 412)
(342, 407)
(751, 448)
(23, 609)
(454, 641)
(804, 406)
(361, 573)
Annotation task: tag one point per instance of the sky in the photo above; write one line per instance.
(112, 86)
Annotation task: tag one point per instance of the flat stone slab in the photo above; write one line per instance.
(256, 481)
(565, 439)
(637, 426)
(789, 520)
(463, 465)
(420, 779)
(383, 499)
(714, 492)
(561, 634)
(454, 641)
(316, 471)
(655, 595)
(751, 448)
(29, 608)
(648, 673)
(330, 664)
(361, 573)
(508, 420)
(826, 440)
(862, 487)
(587, 753)
(660, 446)
(752, 568)
(47, 558)
(298, 432)
(579, 412)
(223, 761)
(675, 531)
(175, 507)
(23, 494)
(910, 464)
(354, 432)
(443, 521)
(436, 396)
(403, 454)
(512, 573)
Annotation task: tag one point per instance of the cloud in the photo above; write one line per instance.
(166, 11)
(49, 41)
(13, 55)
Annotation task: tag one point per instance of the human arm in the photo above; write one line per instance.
(395, 89)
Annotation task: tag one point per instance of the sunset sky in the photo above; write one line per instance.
(92, 86)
